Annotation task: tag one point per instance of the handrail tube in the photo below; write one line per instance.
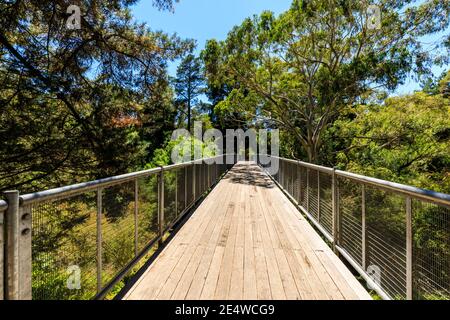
(428, 195)
(424, 194)
(93, 185)
(83, 187)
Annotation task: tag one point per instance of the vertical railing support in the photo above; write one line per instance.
(363, 228)
(194, 177)
(2, 256)
(208, 177)
(99, 242)
(300, 183)
(409, 250)
(136, 217)
(186, 204)
(335, 210)
(18, 267)
(176, 193)
(318, 196)
(307, 190)
(161, 206)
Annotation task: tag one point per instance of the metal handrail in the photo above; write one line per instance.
(424, 194)
(46, 195)
(418, 193)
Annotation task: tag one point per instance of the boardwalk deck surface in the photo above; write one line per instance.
(247, 241)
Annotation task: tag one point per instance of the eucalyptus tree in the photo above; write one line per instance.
(323, 55)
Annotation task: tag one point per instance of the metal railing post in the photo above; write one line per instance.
(136, 217)
(335, 210)
(186, 204)
(18, 267)
(161, 205)
(318, 196)
(409, 250)
(2, 256)
(208, 177)
(193, 182)
(300, 182)
(99, 238)
(363, 228)
(307, 189)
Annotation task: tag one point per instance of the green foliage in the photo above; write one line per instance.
(76, 103)
(318, 58)
(188, 87)
(405, 140)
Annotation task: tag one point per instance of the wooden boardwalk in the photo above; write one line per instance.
(247, 241)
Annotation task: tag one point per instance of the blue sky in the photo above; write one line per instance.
(208, 19)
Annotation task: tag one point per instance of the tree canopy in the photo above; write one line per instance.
(320, 56)
(74, 101)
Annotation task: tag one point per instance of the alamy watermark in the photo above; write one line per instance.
(373, 16)
(74, 279)
(73, 22)
(239, 145)
(374, 273)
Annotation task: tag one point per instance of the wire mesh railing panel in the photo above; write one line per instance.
(303, 187)
(170, 195)
(296, 182)
(397, 237)
(292, 176)
(198, 179)
(205, 177)
(147, 211)
(189, 189)
(181, 191)
(86, 237)
(118, 229)
(386, 239)
(313, 203)
(3, 206)
(287, 177)
(326, 201)
(350, 206)
(64, 245)
(281, 173)
(431, 251)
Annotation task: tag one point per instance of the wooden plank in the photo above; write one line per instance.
(334, 281)
(250, 290)
(192, 253)
(314, 269)
(287, 278)
(209, 288)
(211, 280)
(223, 283)
(320, 281)
(199, 278)
(271, 241)
(262, 277)
(237, 274)
(156, 276)
(247, 241)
